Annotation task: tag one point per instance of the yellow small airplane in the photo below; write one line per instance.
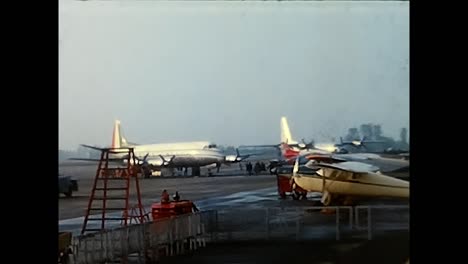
(342, 183)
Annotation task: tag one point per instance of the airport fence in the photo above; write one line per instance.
(309, 223)
(378, 219)
(144, 243)
(181, 234)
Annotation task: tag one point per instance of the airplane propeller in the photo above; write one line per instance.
(294, 173)
(355, 143)
(296, 167)
(325, 194)
(142, 161)
(167, 162)
(240, 157)
(362, 143)
(310, 145)
(323, 184)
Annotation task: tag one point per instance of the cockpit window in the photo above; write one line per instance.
(212, 146)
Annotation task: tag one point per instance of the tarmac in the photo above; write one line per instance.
(203, 190)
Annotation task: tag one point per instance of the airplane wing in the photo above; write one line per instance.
(246, 156)
(111, 150)
(259, 146)
(91, 147)
(357, 156)
(384, 164)
(347, 166)
(325, 158)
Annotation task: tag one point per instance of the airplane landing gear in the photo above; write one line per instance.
(297, 195)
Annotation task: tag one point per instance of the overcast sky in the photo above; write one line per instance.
(227, 71)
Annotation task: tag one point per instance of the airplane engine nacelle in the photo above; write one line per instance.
(156, 162)
(231, 158)
(126, 162)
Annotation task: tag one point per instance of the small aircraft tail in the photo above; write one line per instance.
(118, 141)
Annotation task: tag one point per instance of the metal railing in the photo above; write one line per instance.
(289, 223)
(309, 223)
(396, 218)
(178, 235)
(145, 241)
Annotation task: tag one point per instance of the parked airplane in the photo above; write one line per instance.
(394, 167)
(348, 181)
(360, 145)
(194, 154)
(329, 153)
(286, 139)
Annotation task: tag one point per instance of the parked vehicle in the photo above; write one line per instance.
(67, 185)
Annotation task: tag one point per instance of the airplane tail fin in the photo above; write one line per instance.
(285, 132)
(118, 140)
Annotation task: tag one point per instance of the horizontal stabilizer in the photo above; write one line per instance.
(245, 156)
(91, 147)
(113, 150)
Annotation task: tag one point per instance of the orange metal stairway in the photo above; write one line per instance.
(111, 189)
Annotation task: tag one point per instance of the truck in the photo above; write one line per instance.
(67, 185)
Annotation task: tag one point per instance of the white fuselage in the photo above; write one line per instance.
(184, 154)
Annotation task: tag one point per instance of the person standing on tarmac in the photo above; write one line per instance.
(249, 168)
(176, 196)
(257, 168)
(165, 197)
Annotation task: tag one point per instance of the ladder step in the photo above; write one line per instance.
(112, 188)
(106, 218)
(110, 198)
(110, 208)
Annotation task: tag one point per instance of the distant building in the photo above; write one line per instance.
(366, 131)
(404, 135)
(377, 132)
(353, 134)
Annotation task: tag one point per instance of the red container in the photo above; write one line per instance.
(165, 210)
